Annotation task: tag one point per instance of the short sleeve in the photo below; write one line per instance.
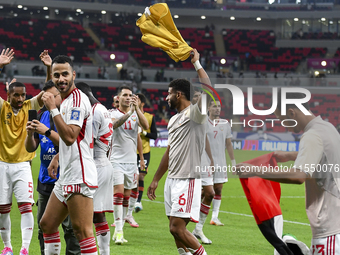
(77, 115)
(310, 152)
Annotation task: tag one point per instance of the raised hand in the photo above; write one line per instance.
(194, 56)
(6, 57)
(45, 58)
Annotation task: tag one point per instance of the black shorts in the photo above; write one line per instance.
(146, 160)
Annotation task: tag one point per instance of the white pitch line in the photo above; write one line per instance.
(239, 214)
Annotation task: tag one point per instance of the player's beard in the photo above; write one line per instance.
(172, 103)
(67, 88)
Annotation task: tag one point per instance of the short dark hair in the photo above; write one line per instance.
(123, 87)
(84, 87)
(291, 95)
(141, 97)
(15, 84)
(183, 86)
(62, 59)
(49, 84)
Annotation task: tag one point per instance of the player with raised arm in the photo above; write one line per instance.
(102, 202)
(123, 156)
(15, 168)
(317, 165)
(73, 192)
(42, 131)
(182, 190)
(219, 135)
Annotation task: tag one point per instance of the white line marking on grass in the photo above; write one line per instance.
(239, 214)
(248, 215)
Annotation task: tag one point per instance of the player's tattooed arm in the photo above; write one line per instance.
(120, 121)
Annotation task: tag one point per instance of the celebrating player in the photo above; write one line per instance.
(78, 175)
(123, 156)
(42, 131)
(182, 190)
(15, 168)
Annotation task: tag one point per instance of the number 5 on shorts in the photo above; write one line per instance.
(181, 200)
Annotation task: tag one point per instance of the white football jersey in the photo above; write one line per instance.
(102, 134)
(124, 139)
(76, 161)
(217, 136)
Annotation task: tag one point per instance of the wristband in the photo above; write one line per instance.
(233, 162)
(144, 132)
(54, 112)
(130, 112)
(197, 65)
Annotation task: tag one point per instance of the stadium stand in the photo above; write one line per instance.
(28, 36)
(257, 49)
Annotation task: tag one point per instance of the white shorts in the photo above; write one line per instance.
(328, 245)
(64, 192)
(182, 198)
(102, 202)
(220, 175)
(125, 173)
(16, 178)
(207, 177)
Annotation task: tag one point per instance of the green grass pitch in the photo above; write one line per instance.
(239, 236)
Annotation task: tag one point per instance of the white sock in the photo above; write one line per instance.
(118, 211)
(5, 225)
(27, 224)
(125, 206)
(52, 244)
(103, 238)
(181, 251)
(216, 207)
(203, 216)
(132, 202)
